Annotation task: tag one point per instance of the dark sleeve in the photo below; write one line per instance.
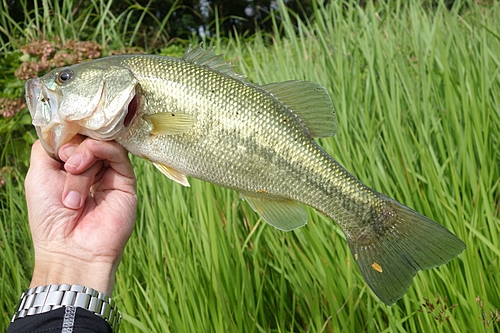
(77, 319)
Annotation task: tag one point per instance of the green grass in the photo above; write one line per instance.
(417, 94)
(89, 20)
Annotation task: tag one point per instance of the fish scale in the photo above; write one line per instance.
(219, 128)
(197, 117)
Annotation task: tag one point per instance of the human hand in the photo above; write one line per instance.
(81, 216)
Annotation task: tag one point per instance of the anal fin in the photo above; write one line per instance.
(283, 214)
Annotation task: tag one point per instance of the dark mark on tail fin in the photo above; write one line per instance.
(409, 242)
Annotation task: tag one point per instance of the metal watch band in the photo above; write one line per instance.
(53, 296)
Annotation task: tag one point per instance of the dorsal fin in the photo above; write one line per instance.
(310, 102)
(208, 58)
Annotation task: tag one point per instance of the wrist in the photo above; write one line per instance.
(97, 275)
(52, 297)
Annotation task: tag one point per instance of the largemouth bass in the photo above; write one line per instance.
(195, 116)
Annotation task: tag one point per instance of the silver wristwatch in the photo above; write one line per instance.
(53, 296)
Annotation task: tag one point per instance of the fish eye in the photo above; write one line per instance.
(64, 76)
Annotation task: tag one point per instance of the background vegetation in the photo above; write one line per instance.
(416, 89)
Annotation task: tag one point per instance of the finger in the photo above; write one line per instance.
(114, 155)
(78, 157)
(69, 148)
(42, 170)
(89, 151)
(40, 160)
(77, 187)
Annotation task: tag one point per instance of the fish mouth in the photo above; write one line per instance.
(43, 104)
(56, 127)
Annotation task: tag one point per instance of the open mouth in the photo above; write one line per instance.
(32, 90)
(40, 102)
(42, 105)
(56, 123)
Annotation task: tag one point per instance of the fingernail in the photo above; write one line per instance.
(74, 161)
(66, 151)
(72, 200)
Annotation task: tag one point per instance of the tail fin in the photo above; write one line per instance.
(389, 257)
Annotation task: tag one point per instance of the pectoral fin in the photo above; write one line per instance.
(285, 215)
(169, 123)
(172, 174)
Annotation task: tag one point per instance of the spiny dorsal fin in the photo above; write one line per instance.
(310, 102)
(208, 58)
